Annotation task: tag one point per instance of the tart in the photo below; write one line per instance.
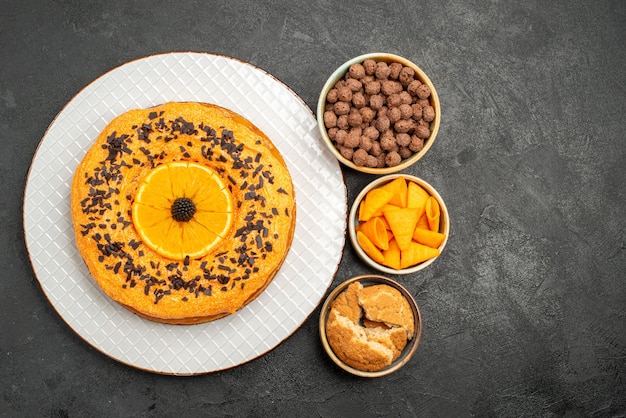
(183, 212)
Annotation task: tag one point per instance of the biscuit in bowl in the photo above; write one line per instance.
(370, 326)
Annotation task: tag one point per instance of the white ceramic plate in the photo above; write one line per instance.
(293, 294)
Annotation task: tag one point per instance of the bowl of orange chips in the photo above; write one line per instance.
(399, 224)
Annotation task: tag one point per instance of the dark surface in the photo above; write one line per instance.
(525, 312)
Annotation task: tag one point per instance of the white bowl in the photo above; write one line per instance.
(353, 222)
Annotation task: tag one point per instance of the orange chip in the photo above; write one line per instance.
(374, 200)
(360, 213)
(422, 223)
(392, 255)
(381, 211)
(375, 230)
(402, 222)
(384, 221)
(416, 195)
(427, 237)
(369, 248)
(399, 189)
(417, 253)
(432, 213)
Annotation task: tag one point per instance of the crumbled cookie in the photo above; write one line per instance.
(369, 326)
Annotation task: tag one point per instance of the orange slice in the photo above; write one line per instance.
(156, 235)
(196, 239)
(375, 230)
(170, 242)
(150, 215)
(402, 222)
(216, 222)
(193, 229)
(156, 189)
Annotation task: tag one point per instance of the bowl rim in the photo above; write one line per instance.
(408, 351)
(352, 222)
(387, 57)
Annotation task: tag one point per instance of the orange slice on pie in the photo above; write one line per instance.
(182, 209)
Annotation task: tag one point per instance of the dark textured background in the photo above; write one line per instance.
(525, 312)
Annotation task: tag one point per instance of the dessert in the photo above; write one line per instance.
(183, 212)
(369, 326)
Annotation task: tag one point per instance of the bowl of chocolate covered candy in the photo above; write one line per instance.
(378, 113)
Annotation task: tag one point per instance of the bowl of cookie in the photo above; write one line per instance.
(399, 224)
(370, 325)
(378, 113)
